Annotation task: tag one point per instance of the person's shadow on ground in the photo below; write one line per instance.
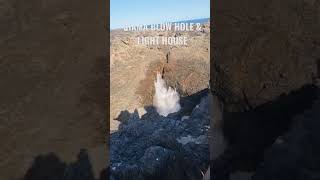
(50, 167)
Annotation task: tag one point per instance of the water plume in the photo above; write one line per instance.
(166, 99)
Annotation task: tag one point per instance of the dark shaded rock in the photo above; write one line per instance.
(295, 155)
(251, 132)
(81, 169)
(154, 159)
(156, 147)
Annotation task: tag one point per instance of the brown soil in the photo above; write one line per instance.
(52, 80)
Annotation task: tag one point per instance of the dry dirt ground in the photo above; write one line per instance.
(133, 68)
(52, 79)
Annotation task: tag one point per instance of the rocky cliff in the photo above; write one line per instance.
(263, 49)
(264, 54)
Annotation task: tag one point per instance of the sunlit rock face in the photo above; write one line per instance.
(265, 51)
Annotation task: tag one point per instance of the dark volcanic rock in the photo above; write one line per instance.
(296, 155)
(156, 147)
(251, 132)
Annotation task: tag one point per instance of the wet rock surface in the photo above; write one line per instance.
(157, 147)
